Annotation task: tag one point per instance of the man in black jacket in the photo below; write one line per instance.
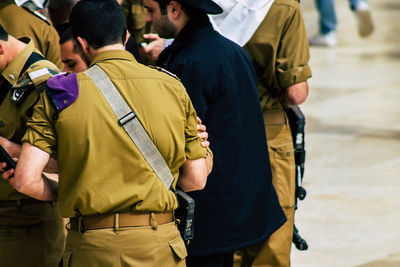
(238, 206)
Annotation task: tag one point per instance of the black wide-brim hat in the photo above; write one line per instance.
(207, 6)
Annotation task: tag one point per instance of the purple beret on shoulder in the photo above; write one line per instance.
(63, 89)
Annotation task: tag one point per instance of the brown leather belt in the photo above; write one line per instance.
(118, 220)
(274, 117)
(21, 202)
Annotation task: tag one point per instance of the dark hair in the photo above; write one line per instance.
(163, 6)
(100, 22)
(66, 36)
(190, 11)
(3, 34)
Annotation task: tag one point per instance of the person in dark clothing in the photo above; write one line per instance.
(239, 205)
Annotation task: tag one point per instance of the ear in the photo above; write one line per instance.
(126, 37)
(175, 9)
(83, 44)
(1, 48)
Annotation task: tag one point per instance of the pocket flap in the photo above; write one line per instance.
(178, 246)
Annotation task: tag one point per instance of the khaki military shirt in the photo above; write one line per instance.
(13, 116)
(280, 52)
(135, 15)
(18, 21)
(100, 168)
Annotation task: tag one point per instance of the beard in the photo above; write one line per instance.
(165, 28)
(78, 49)
(85, 58)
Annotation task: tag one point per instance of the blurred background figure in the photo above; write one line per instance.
(144, 45)
(18, 21)
(59, 11)
(135, 15)
(328, 21)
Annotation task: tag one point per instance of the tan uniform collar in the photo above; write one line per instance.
(112, 54)
(13, 70)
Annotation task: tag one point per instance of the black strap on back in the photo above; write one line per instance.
(33, 58)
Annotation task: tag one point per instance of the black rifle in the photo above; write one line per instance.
(297, 122)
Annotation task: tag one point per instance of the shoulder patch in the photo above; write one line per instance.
(33, 78)
(63, 90)
(37, 14)
(23, 81)
(165, 71)
(36, 75)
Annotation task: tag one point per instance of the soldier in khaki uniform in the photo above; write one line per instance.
(135, 15)
(31, 231)
(121, 213)
(18, 21)
(280, 53)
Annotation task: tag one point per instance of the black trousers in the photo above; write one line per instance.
(215, 260)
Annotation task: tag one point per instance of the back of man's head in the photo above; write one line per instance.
(3, 34)
(100, 22)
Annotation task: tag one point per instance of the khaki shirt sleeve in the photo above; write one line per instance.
(294, 54)
(193, 148)
(40, 128)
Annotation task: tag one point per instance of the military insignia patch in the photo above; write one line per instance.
(19, 94)
(31, 80)
(165, 71)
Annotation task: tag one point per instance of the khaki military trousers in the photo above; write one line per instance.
(275, 251)
(140, 246)
(31, 235)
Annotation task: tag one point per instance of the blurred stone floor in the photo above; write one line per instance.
(351, 215)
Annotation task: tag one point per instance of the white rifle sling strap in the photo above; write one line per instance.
(127, 119)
